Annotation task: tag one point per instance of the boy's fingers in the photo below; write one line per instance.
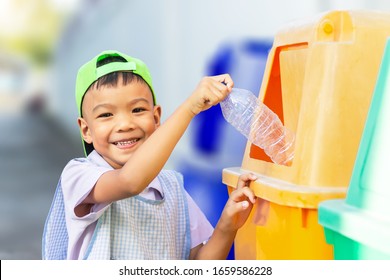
(248, 176)
(244, 204)
(244, 192)
(249, 194)
(241, 206)
(227, 80)
(218, 91)
(245, 179)
(238, 207)
(224, 81)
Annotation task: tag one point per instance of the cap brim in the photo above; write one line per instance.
(88, 148)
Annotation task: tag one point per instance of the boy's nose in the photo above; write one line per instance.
(125, 123)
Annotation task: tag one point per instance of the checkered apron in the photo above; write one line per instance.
(132, 228)
(55, 235)
(139, 228)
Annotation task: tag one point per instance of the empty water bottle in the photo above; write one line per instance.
(261, 126)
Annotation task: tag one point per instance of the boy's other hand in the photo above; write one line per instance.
(209, 92)
(239, 204)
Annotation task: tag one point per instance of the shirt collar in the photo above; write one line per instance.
(96, 158)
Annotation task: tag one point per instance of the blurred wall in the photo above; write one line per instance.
(175, 38)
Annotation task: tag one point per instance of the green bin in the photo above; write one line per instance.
(358, 227)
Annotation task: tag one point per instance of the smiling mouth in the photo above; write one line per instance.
(127, 143)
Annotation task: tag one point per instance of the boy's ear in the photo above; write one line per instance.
(84, 129)
(157, 115)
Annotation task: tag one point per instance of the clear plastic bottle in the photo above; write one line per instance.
(260, 125)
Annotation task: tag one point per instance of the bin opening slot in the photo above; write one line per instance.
(273, 96)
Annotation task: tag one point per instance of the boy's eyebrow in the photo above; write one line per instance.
(138, 100)
(104, 105)
(134, 101)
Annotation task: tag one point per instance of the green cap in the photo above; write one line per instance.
(90, 73)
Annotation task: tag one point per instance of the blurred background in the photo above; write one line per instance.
(44, 42)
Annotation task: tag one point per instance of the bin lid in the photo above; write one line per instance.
(285, 193)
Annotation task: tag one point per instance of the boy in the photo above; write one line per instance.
(118, 203)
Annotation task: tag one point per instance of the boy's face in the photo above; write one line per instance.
(118, 120)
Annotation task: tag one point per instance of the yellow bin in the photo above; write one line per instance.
(319, 80)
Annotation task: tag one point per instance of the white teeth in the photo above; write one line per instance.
(124, 143)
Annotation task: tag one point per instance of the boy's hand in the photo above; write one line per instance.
(239, 205)
(209, 92)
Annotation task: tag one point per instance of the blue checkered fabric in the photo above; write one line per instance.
(139, 228)
(55, 235)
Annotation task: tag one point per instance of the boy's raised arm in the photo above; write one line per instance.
(148, 160)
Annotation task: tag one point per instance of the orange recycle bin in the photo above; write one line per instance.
(319, 79)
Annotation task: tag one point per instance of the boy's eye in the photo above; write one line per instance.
(105, 115)
(138, 110)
